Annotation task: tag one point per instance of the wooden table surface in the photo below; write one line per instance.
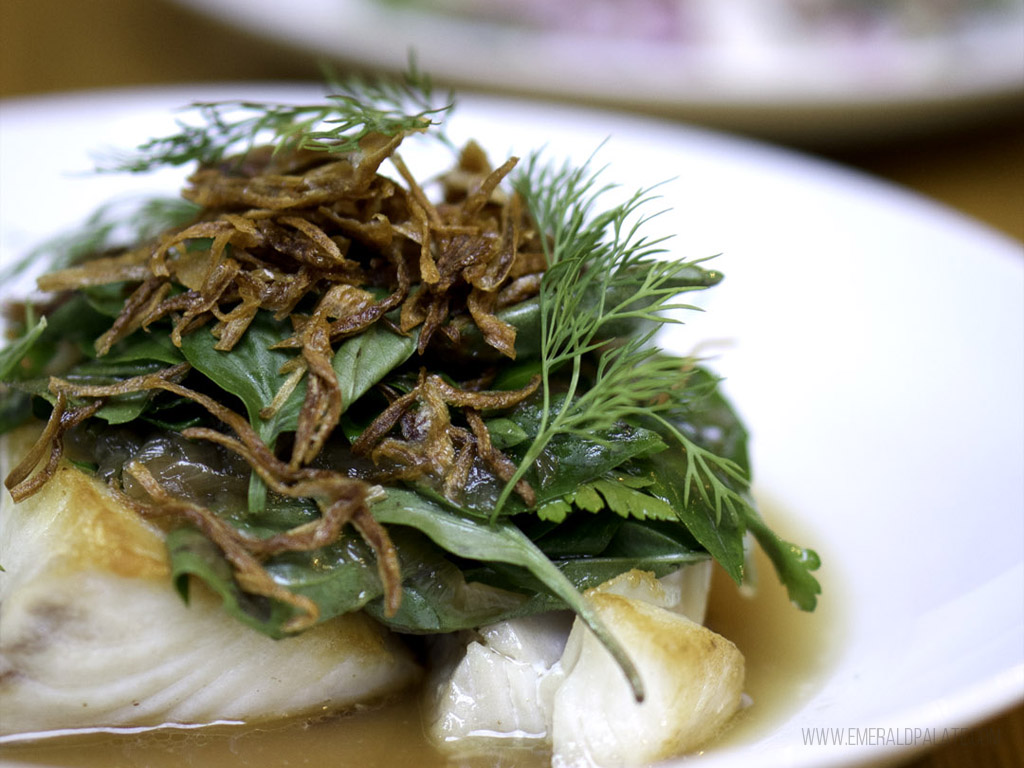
(58, 45)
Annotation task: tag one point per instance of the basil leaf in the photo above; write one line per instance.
(505, 433)
(343, 577)
(707, 417)
(363, 360)
(251, 371)
(567, 463)
(141, 346)
(436, 597)
(655, 539)
(340, 578)
(192, 554)
(119, 409)
(500, 542)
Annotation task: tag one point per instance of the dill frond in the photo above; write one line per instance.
(592, 258)
(355, 107)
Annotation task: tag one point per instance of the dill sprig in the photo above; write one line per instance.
(591, 257)
(355, 107)
(116, 224)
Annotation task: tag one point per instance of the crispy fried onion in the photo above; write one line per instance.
(430, 446)
(467, 255)
(342, 500)
(20, 481)
(307, 229)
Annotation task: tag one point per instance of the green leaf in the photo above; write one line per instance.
(632, 502)
(793, 564)
(617, 492)
(586, 497)
(363, 360)
(500, 542)
(584, 534)
(340, 578)
(436, 596)
(119, 409)
(12, 355)
(142, 346)
(251, 370)
(655, 539)
(193, 554)
(707, 417)
(721, 536)
(505, 433)
(566, 463)
(601, 278)
(356, 108)
(554, 510)
(73, 324)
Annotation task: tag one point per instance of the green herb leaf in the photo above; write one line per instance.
(142, 346)
(565, 463)
(355, 108)
(617, 492)
(192, 554)
(793, 564)
(721, 535)
(436, 597)
(119, 409)
(363, 360)
(115, 224)
(601, 272)
(251, 370)
(500, 542)
(11, 356)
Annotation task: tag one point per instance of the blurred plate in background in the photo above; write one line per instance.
(807, 71)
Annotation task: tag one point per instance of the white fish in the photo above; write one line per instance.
(693, 680)
(92, 634)
(495, 686)
(532, 681)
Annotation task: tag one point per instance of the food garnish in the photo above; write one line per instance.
(337, 391)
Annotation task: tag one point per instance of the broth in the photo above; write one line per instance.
(786, 652)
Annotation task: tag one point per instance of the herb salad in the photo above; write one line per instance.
(445, 410)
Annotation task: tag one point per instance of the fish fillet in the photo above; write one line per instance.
(547, 682)
(92, 634)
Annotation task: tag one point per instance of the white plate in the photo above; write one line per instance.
(743, 73)
(877, 352)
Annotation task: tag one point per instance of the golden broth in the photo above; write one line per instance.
(786, 652)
